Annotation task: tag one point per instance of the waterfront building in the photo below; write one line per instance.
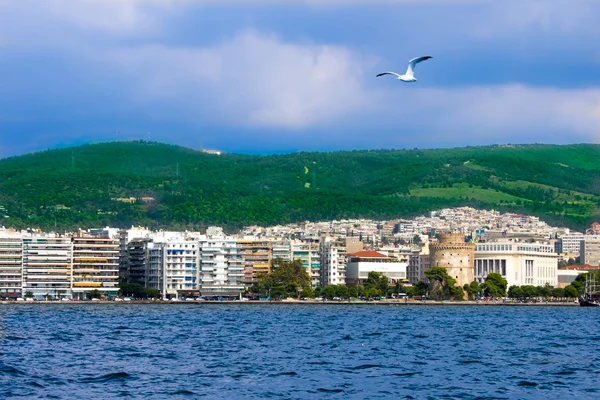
(95, 266)
(590, 251)
(360, 264)
(11, 264)
(566, 275)
(126, 236)
(47, 261)
(333, 261)
(307, 251)
(156, 267)
(221, 267)
(519, 263)
(257, 259)
(181, 273)
(137, 261)
(454, 254)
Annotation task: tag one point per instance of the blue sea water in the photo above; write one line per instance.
(298, 352)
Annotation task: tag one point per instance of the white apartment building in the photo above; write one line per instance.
(180, 276)
(221, 267)
(47, 262)
(95, 266)
(519, 263)
(11, 267)
(333, 261)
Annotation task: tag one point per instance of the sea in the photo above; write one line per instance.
(296, 351)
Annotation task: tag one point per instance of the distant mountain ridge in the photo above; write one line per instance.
(164, 186)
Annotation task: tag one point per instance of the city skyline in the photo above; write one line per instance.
(259, 77)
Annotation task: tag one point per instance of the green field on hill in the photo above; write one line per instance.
(164, 186)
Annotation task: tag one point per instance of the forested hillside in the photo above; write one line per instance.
(179, 188)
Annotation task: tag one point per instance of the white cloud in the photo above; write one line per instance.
(258, 80)
(250, 79)
(502, 113)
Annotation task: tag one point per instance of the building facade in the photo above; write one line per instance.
(519, 263)
(222, 268)
(590, 251)
(333, 261)
(456, 256)
(95, 266)
(307, 251)
(47, 267)
(360, 264)
(11, 265)
(257, 259)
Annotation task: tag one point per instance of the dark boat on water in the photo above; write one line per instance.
(591, 297)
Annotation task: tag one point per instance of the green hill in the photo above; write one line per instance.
(88, 186)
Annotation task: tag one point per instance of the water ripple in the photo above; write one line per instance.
(298, 352)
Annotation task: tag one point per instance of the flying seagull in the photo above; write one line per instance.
(409, 76)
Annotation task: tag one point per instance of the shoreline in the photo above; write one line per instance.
(300, 302)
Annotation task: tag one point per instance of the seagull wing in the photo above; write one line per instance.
(388, 73)
(412, 63)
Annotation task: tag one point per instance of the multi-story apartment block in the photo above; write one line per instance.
(221, 267)
(572, 243)
(333, 261)
(137, 260)
(11, 267)
(156, 266)
(418, 263)
(47, 261)
(125, 237)
(590, 251)
(257, 259)
(281, 249)
(181, 278)
(519, 263)
(95, 266)
(307, 251)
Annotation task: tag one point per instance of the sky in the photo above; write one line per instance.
(275, 76)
